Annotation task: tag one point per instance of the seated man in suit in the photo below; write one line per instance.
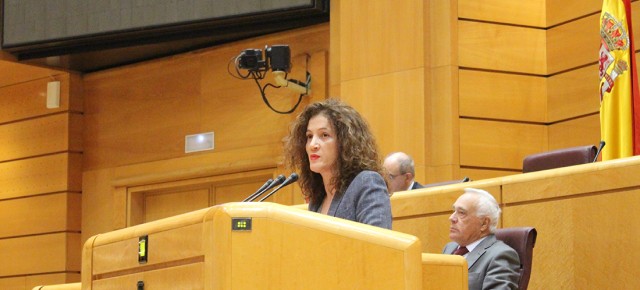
(401, 172)
(492, 264)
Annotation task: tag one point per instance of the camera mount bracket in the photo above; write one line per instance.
(282, 82)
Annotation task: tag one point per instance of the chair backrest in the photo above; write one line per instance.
(521, 239)
(559, 158)
(465, 179)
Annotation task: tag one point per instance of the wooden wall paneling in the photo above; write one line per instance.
(150, 202)
(335, 78)
(576, 132)
(566, 44)
(441, 34)
(30, 281)
(499, 144)
(560, 11)
(132, 109)
(525, 13)
(21, 73)
(391, 41)
(569, 97)
(442, 117)
(40, 214)
(75, 132)
(39, 254)
(35, 137)
(199, 95)
(76, 92)
(502, 47)
(98, 201)
(50, 173)
(502, 96)
(165, 204)
(393, 105)
(28, 98)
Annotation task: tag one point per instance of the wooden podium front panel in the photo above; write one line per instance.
(289, 248)
(172, 278)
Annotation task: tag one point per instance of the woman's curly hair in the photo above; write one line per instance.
(357, 149)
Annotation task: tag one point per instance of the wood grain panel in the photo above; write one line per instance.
(51, 173)
(164, 246)
(526, 13)
(392, 41)
(98, 202)
(31, 281)
(591, 178)
(559, 11)
(130, 110)
(28, 98)
(586, 239)
(479, 174)
(166, 204)
(238, 192)
(502, 96)
(499, 144)
(577, 132)
(441, 28)
(40, 254)
(566, 44)
(22, 72)
(393, 105)
(38, 136)
(442, 118)
(502, 47)
(174, 97)
(40, 214)
(570, 97)
(180, 277)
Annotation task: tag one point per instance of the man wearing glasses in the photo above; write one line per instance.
(401, 171)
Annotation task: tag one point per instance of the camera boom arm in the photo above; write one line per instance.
(281, 81)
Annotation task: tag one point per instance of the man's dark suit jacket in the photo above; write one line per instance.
(416, 185)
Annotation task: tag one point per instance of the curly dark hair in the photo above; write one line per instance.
(357, 149)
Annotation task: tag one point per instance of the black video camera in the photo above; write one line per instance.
(277, 57)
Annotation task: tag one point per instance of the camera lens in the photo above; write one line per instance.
(250, 59)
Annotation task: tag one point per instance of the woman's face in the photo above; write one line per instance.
(322, 146)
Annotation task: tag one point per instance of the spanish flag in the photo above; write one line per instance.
(619, 97)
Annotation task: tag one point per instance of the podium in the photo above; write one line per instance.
(262, 246)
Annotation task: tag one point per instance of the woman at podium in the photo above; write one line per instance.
(330, 144)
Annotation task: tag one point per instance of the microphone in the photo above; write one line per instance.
(265, 185)
(258, 193)
(599, 150)
(291, 179)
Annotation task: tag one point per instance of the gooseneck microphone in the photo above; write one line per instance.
(264, 188)
(599, 150)
(265, 185)
(291, 179)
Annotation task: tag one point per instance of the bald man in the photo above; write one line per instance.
(401, 171)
